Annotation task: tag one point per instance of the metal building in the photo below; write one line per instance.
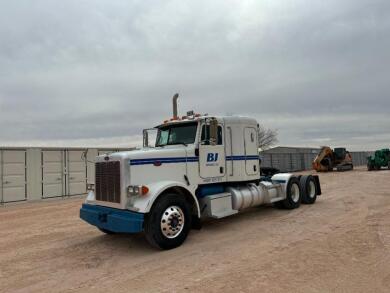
(291, 159)
(40, 173)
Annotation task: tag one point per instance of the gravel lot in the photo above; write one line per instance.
(340, 244)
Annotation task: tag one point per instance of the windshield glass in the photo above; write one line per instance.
(177, 134)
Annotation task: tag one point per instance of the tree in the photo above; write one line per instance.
(267, 137)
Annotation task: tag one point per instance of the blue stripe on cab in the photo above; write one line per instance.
(163, 160)
(241, 158)
(184, 160)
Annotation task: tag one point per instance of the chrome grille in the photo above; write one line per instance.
(108, 181)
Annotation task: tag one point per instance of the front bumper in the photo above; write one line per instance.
(114, 220)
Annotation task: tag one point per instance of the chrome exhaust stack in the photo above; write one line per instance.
(175, 114)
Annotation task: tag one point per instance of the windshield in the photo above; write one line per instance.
(177, 134)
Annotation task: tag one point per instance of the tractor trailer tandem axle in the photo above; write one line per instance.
(198, 167)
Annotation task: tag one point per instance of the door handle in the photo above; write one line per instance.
(221, 169)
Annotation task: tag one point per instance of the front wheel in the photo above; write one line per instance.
(168, 222)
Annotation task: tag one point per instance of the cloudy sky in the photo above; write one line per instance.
(94, 73)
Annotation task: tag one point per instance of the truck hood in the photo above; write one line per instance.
(149, 153)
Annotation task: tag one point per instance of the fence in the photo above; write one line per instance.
(291, 162)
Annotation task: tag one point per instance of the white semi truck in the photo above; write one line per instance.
(200, 166)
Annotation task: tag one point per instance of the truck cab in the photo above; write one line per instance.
(190, 168)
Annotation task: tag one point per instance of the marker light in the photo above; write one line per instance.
(135, 190)
(144, 189)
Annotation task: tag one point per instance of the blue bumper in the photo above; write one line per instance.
(114, 220)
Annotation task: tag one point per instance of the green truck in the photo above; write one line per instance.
(381, 158)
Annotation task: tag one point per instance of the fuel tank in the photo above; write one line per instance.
(250, 195)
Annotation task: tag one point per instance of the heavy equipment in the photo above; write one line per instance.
(381, 158)
(199, 166)
(328, 158)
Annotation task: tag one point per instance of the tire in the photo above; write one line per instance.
(308, 189)
(106, 231)
(293, 195)
(328, 163)
(168, 222)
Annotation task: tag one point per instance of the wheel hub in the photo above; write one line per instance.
(295, 192)
(172, 222)
(312, 189)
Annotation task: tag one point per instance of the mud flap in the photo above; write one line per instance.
(317, 183)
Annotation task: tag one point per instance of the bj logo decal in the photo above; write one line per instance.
(212, 157)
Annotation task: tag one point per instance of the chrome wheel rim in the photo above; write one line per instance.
(295, 193)
(172, 222)
(312, 189)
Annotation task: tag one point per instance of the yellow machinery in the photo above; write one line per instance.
(327, 159)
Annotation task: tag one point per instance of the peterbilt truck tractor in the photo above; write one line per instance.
(190, 168)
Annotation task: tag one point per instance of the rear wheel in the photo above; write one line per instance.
(293, 195)
(308, 189)
(168, 222)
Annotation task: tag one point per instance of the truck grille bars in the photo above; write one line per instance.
(108, 182)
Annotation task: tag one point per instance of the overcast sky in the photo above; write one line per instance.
(95, 73)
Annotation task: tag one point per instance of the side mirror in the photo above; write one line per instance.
(213, 131)
(149, 137)
(145, 138)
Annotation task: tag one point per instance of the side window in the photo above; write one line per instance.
(206, 135)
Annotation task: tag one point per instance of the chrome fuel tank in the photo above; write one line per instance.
(250, 195)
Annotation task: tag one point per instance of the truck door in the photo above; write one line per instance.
(251, 151)
(211, 156)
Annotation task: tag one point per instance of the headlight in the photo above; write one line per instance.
(134, 190)
(90, 187)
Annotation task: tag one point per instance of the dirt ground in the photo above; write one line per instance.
(339, 244)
